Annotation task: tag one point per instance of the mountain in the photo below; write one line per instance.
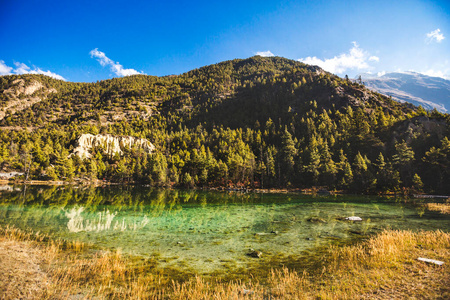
(415, 88)
(249, 90)
(256, 122)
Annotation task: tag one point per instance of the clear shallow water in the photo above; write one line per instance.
(207, 232)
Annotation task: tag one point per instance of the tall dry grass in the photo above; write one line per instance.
(389, 262)
(383, 267)
(443, 208)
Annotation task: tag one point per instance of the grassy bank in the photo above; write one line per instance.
(383, 267)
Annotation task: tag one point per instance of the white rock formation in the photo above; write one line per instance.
(110, 144)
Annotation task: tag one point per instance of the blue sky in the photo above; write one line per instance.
(94, 40)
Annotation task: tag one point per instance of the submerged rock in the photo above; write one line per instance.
(316, 220)
(356, 232)
(353, 218)
(254, 253)
(267, 233)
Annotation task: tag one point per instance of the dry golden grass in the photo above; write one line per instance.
(383, 267)
(443, 208)
(387, 266)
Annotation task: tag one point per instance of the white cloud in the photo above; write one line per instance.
(435, 35)
(47, 73)
(356, 58)
(379, 74)
(22, 68)
(265, 53)
(436, 73)
(4, 69)
(115, 66)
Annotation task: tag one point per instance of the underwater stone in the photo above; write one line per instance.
(355, 232)
(263, 233)
(254, 253)
(353, 218)
(316, 220)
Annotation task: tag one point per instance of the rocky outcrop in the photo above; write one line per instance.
(409, 129)
(110, 144)
(20, 96)
(19, 87)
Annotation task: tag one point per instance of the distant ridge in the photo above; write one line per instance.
(418, 89)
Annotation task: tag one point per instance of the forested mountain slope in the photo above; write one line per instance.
(257, 122)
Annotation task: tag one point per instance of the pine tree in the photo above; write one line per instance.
(360, 178)
(313, 163)
(403, 159)
(328, 166)
(287, 153)
(344, 171)
(417, 183)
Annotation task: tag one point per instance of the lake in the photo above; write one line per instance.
(208, 232)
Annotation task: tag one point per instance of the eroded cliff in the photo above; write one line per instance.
(110, 144)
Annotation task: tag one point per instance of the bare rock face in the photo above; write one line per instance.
(110, 144)
(408, 129)
(21, 96)
(19, 87)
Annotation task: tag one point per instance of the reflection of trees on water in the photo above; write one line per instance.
(89, 208)
(129, 198)
(103, 221)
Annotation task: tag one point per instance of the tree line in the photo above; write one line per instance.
(260, 122)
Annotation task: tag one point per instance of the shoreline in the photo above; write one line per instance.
(306, 191)
(386, 266)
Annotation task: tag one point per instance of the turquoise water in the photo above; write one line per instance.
(207, 232)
